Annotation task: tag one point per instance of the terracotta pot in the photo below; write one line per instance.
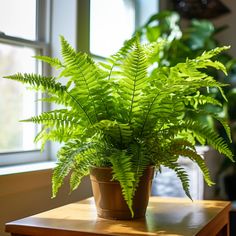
(109, 199)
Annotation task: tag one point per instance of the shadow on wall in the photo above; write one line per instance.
(29, 193)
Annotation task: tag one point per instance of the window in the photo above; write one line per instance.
(26, 33)
(22, 36)
(21, 22)
(113, 22)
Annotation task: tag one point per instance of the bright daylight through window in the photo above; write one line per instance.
(18, 44)
(107, 36)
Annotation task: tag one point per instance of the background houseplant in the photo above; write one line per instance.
(119, 115)
(188, 40)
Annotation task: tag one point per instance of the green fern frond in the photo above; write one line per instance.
(134, 79)
(61, 134)
(81, 168)
(211, 53)
(66, 162)
(200, 99)
(140, 160)
(182, 175)
(59, 173)
(152, 50)
(122, 171)
(215, 64)
(179, 144)
(223, 121)
(77, 175)
(57, 118)
(192, 155)
(162, 108)
(122, 53)
(114, 61)
(68, 52)
(54, 62)
(225, 124)
(64, 165)
(120, 134)
(191, 71)
(38, 82)
(91, 86)
(211, 137)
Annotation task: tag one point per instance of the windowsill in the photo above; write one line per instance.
(23, 168)
(48, 165)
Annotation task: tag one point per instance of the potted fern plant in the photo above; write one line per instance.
(119, 121)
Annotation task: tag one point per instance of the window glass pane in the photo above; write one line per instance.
(111, 23)
(16, 103)
(18, 18)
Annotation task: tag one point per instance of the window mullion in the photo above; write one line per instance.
(21, 42)
(43, 19)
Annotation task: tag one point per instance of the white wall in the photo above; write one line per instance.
(29, 193)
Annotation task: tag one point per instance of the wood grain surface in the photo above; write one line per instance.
(165, 216)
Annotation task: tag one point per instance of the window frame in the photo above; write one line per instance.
(47, 11)
(41, 45)
(83, 21)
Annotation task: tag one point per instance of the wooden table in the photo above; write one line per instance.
(165, 216)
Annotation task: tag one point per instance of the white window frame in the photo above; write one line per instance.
(43, 13)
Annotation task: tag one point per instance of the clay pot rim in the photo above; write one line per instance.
(108, 168)
(96, 167)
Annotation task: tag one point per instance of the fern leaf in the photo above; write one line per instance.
(211, 53)
(67, 51)
(57, 118)
(121, 134)
(54, 62)
(224, 123)
(140, 160)
(66, 159)
(65, 164)
(212, 138)
(38, 82)
(81, 168)
(182, 175)
(134, 79)
(200, 162)
(122, 53)
(122, 171)
(91, 86)
(200, 99)
(59, 134)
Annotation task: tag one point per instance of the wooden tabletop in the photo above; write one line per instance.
(165, 216)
